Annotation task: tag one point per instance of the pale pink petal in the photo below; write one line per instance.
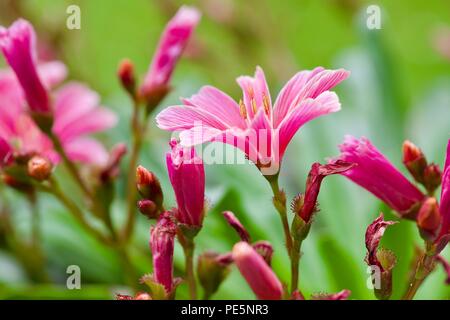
(95, 121)
(11, 100)
(218, 103)
(72, 102)
(185, 117)
(86, 150)
(52, 73)
(255, 90)
(306, 111)
(288, 96)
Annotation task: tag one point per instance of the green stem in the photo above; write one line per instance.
(71, 167)
(55, 190)
(424, 267)
(137, 133)
(279, 200)
(295, 262)
(188, 248)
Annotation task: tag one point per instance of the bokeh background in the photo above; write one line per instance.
(399, 89)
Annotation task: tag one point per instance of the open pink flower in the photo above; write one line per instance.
(74, 109)
(375, 173)
(19, 134)
(170, 47)
(260, 131)
(257, 272)
(187, 176)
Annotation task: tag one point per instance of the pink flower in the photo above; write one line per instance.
(18, 44)
(444, 204)
(187, 175)
(75, 110)
(256, 272)
(171, 46)
(77, 114)
(20, 135)
(376, 174)
(261, 132)
(162, 241)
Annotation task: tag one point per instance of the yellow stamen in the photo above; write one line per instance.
(254, 108)
(242, 109)
(266, 104)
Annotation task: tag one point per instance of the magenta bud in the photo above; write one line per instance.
(256, 272)
(432, 178)
(148, 186)
(414, 160)
(127, 76)
(236, 225)
(148, 208)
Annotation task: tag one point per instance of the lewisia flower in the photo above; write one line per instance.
(75, 110)
(170, 47)
(252, 125)
(162, 241)
(375, 173)
(187, 176)
(444, 205)
(257, 272)
(19, 135)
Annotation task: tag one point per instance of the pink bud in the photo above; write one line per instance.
(162, 245)
(256, 272)
(170, 47)
(429, 218)
(187, 175)
(127, 76)
(18, 44)
(237, 225)
(149, 186)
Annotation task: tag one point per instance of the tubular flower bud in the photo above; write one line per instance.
(237, 225)
(162, 239)
(256, 272)
(39, 168)
(388, 184)
(171, 45)
(148, 186)
(148, 208)
(414, 160)
(429, 219)
(187, 176)
(432, 178)
(127, 76)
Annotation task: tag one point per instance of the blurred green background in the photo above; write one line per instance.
(399, 89)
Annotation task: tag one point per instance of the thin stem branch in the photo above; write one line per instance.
(73, 170)
(295, 262)
(78, 214)
(424, 267)
(188, 248)
(137, 133)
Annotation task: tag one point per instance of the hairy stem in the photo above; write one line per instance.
(424, 267)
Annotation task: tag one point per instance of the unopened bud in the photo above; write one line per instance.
(211, 272)
(414, 160)
(148, 208)
(432, 178)
(127, 76)
(39, 168)
(429, 219)
(148, 186)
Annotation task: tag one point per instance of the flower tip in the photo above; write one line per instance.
(127, 76)
(188, 15)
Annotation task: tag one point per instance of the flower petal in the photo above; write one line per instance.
(86, 150)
